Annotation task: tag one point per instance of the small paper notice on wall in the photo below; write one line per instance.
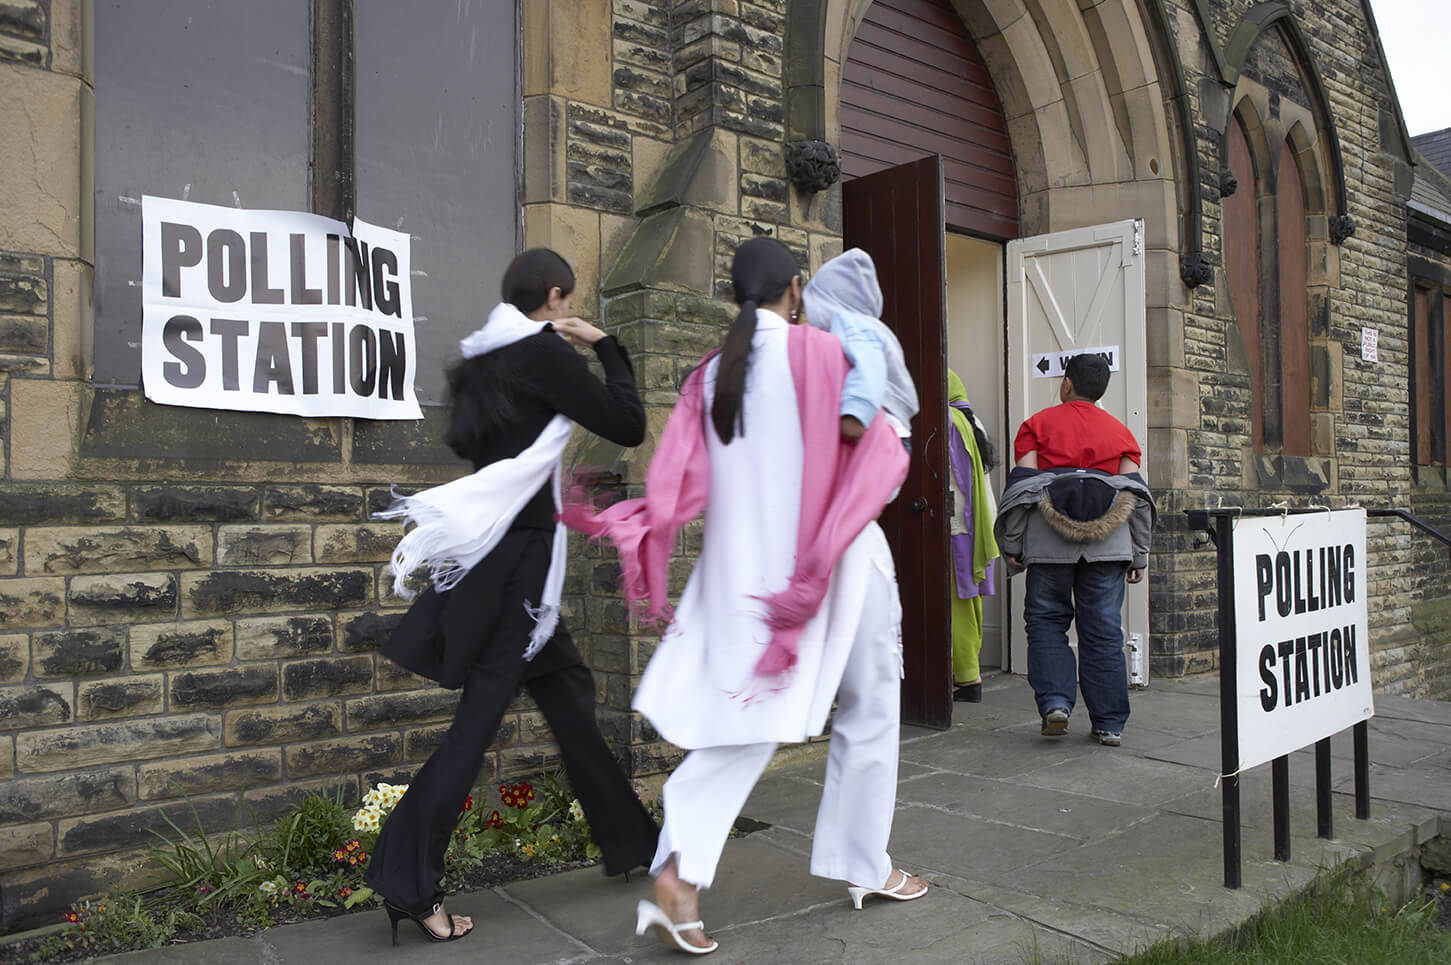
(1370, 344)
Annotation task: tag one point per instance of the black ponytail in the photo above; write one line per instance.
(761, 272)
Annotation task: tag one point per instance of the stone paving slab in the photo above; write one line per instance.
(999, 802)
(1169, 870)
(1099, 928)
(755, 881)
(1409, 708)
(1111, 775)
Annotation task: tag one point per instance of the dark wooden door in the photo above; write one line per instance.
(896, 216)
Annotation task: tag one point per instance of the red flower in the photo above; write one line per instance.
(300, 888)
(340, 855)
(73, 918)
(468, 803)
(496, 820)
(345, 892)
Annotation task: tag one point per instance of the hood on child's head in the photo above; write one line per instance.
(847, 282)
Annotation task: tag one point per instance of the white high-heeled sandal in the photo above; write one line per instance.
(649, 916)
(858, 894)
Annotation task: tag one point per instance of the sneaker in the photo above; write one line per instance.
(1055, 722)
(1108, 738)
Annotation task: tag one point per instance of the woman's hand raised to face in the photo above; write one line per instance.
(577, 331)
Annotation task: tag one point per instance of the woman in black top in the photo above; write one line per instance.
(473, 635)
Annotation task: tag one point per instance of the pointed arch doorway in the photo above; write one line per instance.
(931, 193)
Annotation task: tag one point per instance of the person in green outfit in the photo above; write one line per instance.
(974, 549)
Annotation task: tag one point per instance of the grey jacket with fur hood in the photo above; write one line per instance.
(1067, 515)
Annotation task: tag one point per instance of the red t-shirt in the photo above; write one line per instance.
(1076, 435)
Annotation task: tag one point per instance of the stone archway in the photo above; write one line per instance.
(1085, 100)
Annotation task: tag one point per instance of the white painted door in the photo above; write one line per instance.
(1069, 292)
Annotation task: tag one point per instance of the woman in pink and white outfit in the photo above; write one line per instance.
(792, 604)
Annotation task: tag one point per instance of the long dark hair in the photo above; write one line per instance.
(482, 390)
(761, 273)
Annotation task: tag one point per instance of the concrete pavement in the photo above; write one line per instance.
(1040, 851)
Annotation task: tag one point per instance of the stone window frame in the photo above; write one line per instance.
(118, 422)
(1430, 354)
(1278, 130)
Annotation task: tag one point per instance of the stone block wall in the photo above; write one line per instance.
(191, 602)
(670, 117)
(1361, 414)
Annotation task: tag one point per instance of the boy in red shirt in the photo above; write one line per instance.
(1078, 434)
(1077, 516)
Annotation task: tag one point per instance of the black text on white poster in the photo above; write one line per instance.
(275, 311)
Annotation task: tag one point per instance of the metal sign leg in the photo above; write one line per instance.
(1361, 732)
(1324, 821)
(1280, 774)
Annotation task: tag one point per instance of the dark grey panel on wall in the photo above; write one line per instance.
(201, 101)
(437, 156)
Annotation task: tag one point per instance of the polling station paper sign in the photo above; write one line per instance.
(1302, 638)
(275, 311)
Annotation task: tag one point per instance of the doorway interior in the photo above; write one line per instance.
(977, 351)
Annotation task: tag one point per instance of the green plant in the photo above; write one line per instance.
(117, 923)
(543, 825)
(208, 872)
(302, 843)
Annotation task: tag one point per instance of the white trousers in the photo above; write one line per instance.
(705, 795)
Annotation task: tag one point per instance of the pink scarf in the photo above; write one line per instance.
(844, 486)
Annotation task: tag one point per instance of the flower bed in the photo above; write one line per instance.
(311, 864)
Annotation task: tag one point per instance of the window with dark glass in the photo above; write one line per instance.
(1266, 268)
(406, 116)
(1429, 310)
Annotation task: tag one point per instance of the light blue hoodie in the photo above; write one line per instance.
(844, 298)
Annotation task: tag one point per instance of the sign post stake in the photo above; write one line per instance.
(1280, 777)
(1228, 711)
(1324, 822)
(1361, 732)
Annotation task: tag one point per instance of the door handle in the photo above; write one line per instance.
(918, 505)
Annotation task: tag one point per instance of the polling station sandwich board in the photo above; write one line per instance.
(1303, 642)
(275, 311)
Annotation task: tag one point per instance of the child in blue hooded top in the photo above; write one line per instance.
(844, 298)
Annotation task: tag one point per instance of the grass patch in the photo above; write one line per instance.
(1346, 920)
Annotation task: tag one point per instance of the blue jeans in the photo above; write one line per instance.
(1093, 594)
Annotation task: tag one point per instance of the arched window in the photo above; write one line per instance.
(1292, 400)
(1242, 267)
(1266, 266)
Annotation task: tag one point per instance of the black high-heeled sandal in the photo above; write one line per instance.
(396, 914)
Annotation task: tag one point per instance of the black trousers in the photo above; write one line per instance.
(406, 866)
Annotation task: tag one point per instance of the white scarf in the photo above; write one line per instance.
(459, 523)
